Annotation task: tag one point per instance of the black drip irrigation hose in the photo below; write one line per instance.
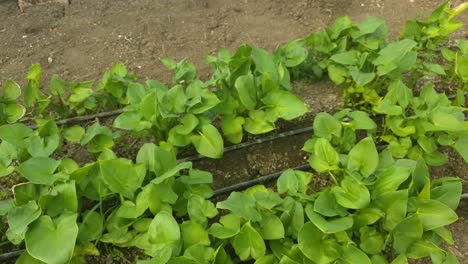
(263, 179)
(255, 142)
(10, 255)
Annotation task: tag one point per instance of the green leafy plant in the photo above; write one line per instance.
(416, 127)
(176, 116)
(253, 87)
(10, 110)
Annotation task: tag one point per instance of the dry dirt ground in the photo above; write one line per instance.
(82, 40)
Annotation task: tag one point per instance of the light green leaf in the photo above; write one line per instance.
(406, 233)
(229, 227)
(241, 205)
(315, 248)
(156, 159)
(209, 142)
(434, 214)
(74, 134)
(11, 91)
(193, 233)
(325, 125)
(363, 157)
(329, 226)
(351, 193)
(232, 128)
(325, 157)
(352, 255)
(164, 233)
(285, 105)
(52, 241)
(249, 243)
(19, 218)
(39, 170)
(270, 227)
(121, 176)
(245, 86)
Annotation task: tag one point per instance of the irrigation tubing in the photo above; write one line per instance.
(255, 142)
(10, 255)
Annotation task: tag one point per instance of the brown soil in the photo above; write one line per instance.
(82, 40)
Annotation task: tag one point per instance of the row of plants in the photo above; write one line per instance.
(380, 206)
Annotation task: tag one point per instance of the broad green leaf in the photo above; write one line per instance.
(57, 86)
(14, 112)
(79, 95)
(25, 258)
(91, 227)
(11, 91)
(394, 205)
(351, 193)
(361, 78)
(422, 249)
(232, 128)
(293, 182)
(172, 172)
(32, 92)
(346, 58)
(330, 226)
(406, 233)
(394, 55)
(337, 73)
(372, 241)
(434, 214)
(19, 218)
(461, 146)
(326, 205)
(247, 90)
(249, 243)
(156, 159)
(284, 104)
(293, 217)
(447, 191)
(209, 142)
(363, 157)
(325, 125)
(164, 233)
(293, 53)
(271, 227)
(121, 176)
(241, 205)
(390, 179)
(5, 206)
(131, 120)
(325, 157)
(436, 68)
(39, 170)
(265, 64)
(314, 248)
(193, 233)
(199, 209)
(74, 134)
(352, 254)
(52, 241)
(258, 123)
(16, 134)
(229, 227)
(361, 120)
(367, 216)
(175, 100)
